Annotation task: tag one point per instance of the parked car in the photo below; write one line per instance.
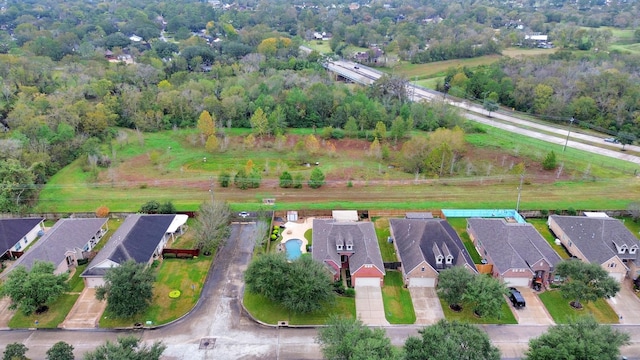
(243, 214)
(612, 140)
(516, 298)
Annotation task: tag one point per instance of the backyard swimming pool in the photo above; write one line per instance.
(293, 249)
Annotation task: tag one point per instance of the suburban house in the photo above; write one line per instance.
(425, 247)
(520, 256)
(68, 241)
(140, 238)
(342, 243)
(16, 234)
(600, 240)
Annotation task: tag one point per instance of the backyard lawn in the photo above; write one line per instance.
(460, 226)
(562, 312)
(186, 275)
(543, 229)
(387, 250)
(269, 312)
(398, 307)
(467, 315)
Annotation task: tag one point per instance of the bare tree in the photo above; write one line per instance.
(212, 226)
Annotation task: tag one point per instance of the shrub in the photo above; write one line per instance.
(350, 292)
(571, 211)
(102, 211)
(549, 162)
(544, 212)
(224, 179)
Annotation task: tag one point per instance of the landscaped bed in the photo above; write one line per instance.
(269, 312)
(186, 275)
(562, 312)
(398, 307)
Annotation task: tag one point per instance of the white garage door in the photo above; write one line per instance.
(517, 281)
(422, 282)
(366, 281)
(95, 282)
(618, 276)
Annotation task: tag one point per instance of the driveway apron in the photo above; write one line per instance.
(534, 313)
(426, 305)
(626, 304)
(369, 306)
(86, 312)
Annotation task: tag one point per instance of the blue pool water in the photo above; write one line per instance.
(293, 249)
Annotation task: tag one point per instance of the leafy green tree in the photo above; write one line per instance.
(241, 179)
(60, 351)
(451, 341)
(286, 180)
(486, 295)
(224, 179)
(255, 178)
(351, 127)
(585, 282)
(549, 162)
(150, 207)
(301, 286)
(126, 348)
(625, 138)
(380, 132)
(15, 351)
(259, 122)
(452, 285)
(16, 186)
(30, 290)
(581, 339)
(490, 105)
(317, 178)
(399, 128)
(212, 226)
(128, 289)
(349, 339)
(167, 208)
(298, 179)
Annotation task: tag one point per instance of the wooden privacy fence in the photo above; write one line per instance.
(181, 253)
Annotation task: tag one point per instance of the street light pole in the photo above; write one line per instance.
(568, 133)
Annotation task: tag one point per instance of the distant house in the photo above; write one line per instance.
(65, 243)
(599, 240)
(352, 245)
(425, 247)
(140, 238)
(135, 38)
(518, 253)
(17, 234)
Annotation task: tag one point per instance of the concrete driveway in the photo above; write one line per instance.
(626, 304)
(426, 305)
(534, 313)
(86, 312)
(369, 306)
(5, 313)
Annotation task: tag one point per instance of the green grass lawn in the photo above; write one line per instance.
(466, 315)
(269, 312)
(383, 231)
(309, 236)
(398, 307)
(562, 312)
(543, 229)
(186, 275)
(53, 317)
(76, 284)
(460, 226)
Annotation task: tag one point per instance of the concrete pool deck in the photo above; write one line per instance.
(296, 230)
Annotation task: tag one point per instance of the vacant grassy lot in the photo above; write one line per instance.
(562, 312)
(467, 315)
(186, 275)
(50, 319)
(269, 312)
(398, 307)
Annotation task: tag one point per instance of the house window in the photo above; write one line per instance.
(449, 259)
(633, 250)
(422, 268)
(570, 243)
(349, 247)
(18, 247)
(339, 247)
(438, 260)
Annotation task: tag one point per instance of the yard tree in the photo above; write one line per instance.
(316, 179)
(259, 123)
(349, 339)
(581, 339)
(585, 282)
(60, 351)
(301, 286)
(30, 290)
(126, 348)
(486, 295)
(128, 289)
(212, 225)
(451, 341)
(452, 285)
(15, 351)
(286, 180)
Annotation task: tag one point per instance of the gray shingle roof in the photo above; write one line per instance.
(13, 230)
(596, 237)
(65, 235)
(362, 235)
(512, 245)
(416, 238)
(136, 239)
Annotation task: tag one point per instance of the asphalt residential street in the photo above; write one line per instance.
(217, 328)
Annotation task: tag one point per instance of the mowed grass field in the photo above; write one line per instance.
(150, 170)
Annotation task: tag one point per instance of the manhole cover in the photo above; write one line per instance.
(207, 343)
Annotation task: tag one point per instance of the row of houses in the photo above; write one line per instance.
(140, 237)
(514, 252)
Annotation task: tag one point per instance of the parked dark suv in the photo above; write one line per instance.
(516, 298)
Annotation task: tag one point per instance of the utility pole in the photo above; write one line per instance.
(568, 133)
(211, 190)
(519, 192)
